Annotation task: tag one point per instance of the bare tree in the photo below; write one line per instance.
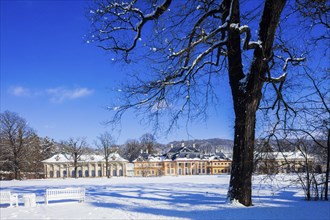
(16, 136)
(313, 119)
(132, 149)
(75, 147)
(308, 130)
(192, 42)
(106, 144)
(148, 141)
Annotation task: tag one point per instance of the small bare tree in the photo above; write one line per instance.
(149, 143)
(131, 149)
(75, 148)
(106, 144)
(314, 117)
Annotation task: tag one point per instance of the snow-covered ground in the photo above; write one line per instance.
(184, 197)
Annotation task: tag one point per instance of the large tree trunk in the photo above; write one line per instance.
(246, 92)
(241, 173)
(328, 168)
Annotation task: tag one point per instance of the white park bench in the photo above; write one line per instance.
(7, 197)
(65, 194)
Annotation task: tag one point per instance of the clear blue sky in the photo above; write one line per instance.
(60, 84)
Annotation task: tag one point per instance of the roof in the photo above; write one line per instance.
(292, 155)
(191, 153)
(66, 158)
(149, 158)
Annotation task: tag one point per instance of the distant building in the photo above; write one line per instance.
(283, 162)
(61, 166)
(148, 165)
(177, 161)
(181, 161)
(130, 169)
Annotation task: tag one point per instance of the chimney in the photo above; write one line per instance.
(194, 145)
(147, 151)
(182, 144)
(141, 151)
(171, 145)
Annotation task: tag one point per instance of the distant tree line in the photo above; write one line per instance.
(22, 150)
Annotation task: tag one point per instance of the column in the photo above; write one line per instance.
(46, 171)
(60, 170)
(191, 168)
(102, 169)
(89, 169)
(124, 169)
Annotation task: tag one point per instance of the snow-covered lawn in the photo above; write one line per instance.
(184, 197)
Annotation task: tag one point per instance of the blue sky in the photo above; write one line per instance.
(61, 85)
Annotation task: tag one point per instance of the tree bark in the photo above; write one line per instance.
(107, 167)
(328, 169)
(246, 92)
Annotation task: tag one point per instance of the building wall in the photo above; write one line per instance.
(62, 170)
(181, 167)
(269, 166)
(220, 166)
(144, 168)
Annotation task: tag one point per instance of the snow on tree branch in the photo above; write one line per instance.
(124, 17)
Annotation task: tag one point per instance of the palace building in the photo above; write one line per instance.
(181, 161)
(62, 165)
(177, 161)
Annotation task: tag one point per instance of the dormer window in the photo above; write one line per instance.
(92, 157)
(57, 158)
(113, 157)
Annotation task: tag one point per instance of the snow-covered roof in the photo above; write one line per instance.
(296, 155)
(66, 158)
(149, 158)
(292, 155)
(191, 153)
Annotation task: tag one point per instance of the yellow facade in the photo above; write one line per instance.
(181, 167)
(145, 168)
(220, 166)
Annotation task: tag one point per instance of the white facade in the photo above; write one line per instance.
(61, 166)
